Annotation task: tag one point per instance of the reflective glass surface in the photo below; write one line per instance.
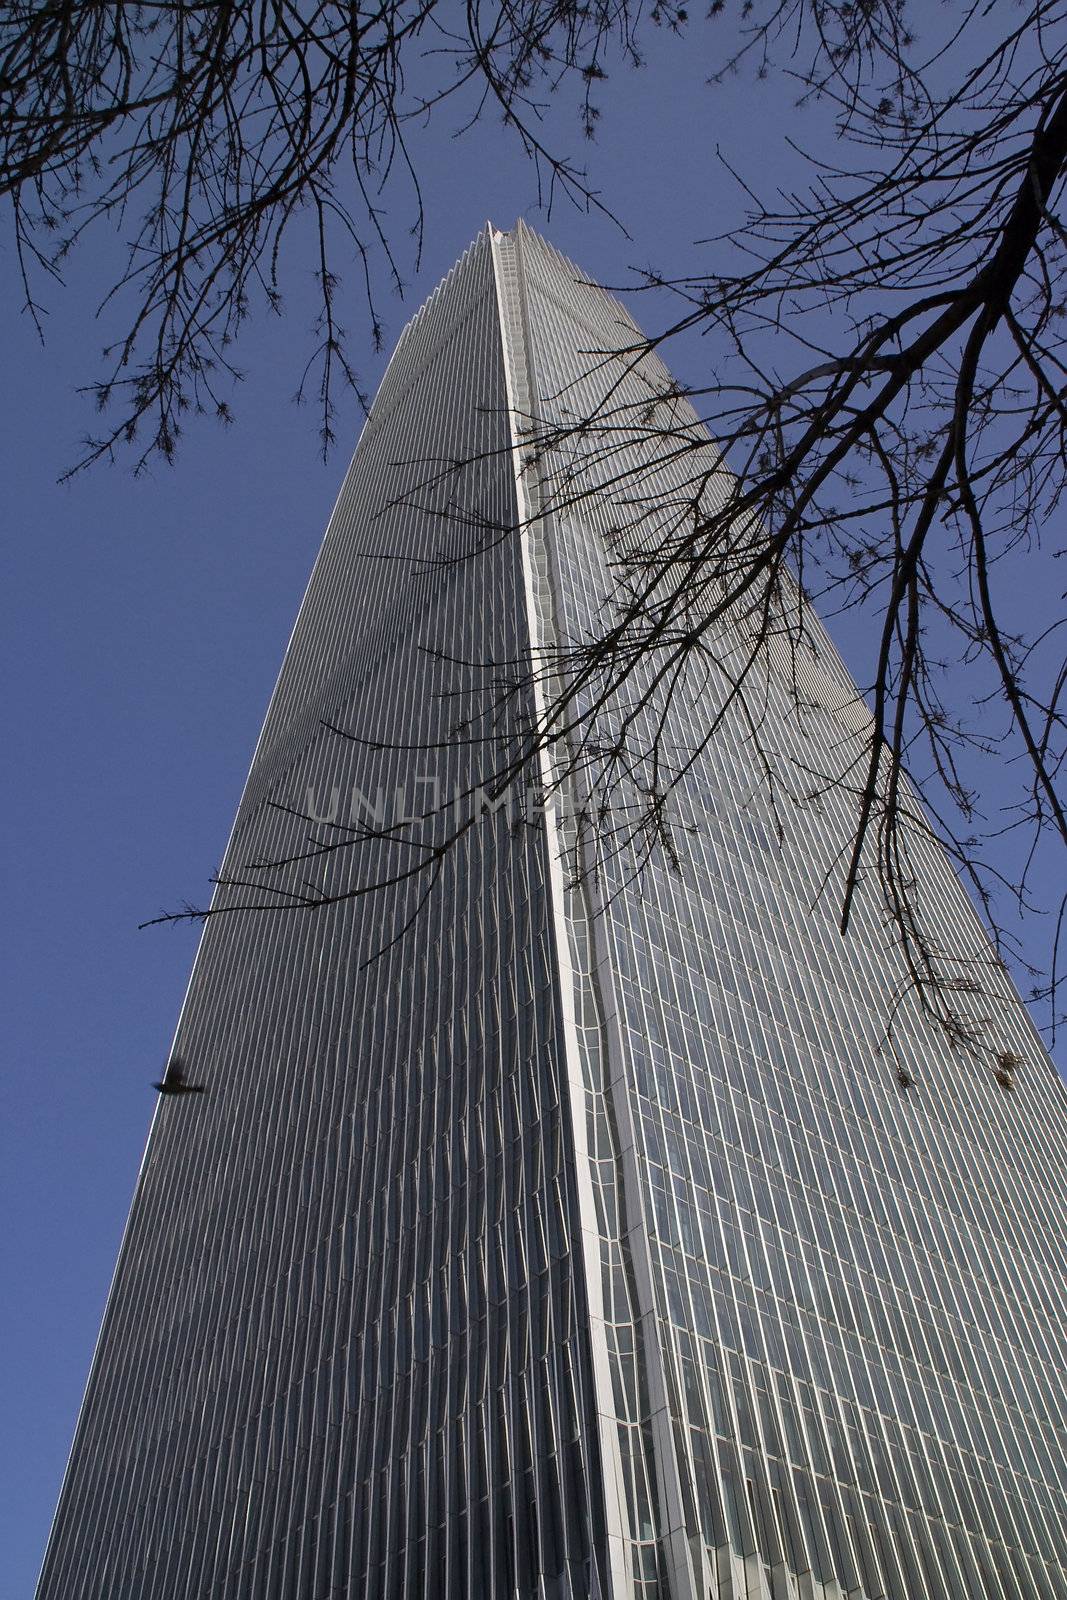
(554, 1222)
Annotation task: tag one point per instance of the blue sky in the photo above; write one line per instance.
(145, 622)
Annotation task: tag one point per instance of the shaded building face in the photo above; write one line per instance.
(548, 1227)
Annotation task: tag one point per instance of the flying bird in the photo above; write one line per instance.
(174, 1080)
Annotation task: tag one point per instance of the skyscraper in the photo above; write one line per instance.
(548, 1227)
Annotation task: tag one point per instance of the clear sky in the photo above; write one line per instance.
(145, 622)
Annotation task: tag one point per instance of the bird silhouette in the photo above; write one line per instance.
(174, 1080)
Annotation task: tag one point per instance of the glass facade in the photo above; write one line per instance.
(565, 1230)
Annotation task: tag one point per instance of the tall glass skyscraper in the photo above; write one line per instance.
(549, 1227)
